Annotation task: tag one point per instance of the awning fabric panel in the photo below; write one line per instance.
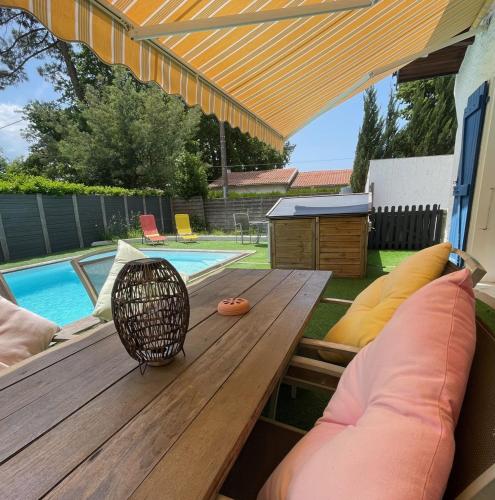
(268, 79)
(84, 21)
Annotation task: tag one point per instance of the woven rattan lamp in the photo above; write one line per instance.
(150, 308)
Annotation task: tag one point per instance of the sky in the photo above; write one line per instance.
(326, 143)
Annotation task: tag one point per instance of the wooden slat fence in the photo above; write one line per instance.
(405, 228)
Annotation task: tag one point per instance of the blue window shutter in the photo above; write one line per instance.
(474, 117)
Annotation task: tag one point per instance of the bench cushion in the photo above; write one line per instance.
(376, 304)
(396, 407)
(22, 333)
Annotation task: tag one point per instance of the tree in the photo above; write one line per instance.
(3, 163)
(90, 71)
(369, 141)
(190, 176)
(390, 141)
(48, 123)
(428, 106)
(126, 137)
(26, 39)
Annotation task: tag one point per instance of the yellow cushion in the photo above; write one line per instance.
(376, 304)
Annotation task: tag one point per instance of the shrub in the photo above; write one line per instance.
(34, 184)
(190, 176)
(197, 223)
(215, 194)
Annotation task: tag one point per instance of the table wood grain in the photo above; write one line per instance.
(82, 421)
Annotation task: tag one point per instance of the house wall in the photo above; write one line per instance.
(479, 66)
(411, 181)
(268, 188)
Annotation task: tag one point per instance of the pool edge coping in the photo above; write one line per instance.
(63, 259)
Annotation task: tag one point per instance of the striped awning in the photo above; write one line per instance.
(265, 66)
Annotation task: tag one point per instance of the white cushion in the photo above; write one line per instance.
(125, 253)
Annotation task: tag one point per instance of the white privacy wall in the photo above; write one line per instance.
(421, 180)
(479, 66)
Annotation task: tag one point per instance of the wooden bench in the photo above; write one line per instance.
(473, 471)
(307, 369)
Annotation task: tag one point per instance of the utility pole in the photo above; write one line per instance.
(223, 160)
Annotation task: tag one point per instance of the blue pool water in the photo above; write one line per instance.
(55, 291)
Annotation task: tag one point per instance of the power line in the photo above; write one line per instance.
(13, 123)
(270, 164)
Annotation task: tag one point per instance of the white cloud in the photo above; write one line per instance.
(12, 144)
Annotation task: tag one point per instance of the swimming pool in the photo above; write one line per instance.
(54, 291)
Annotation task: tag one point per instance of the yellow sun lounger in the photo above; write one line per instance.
(184, 230)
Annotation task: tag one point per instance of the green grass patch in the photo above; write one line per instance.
(380, 262)
(486, 314)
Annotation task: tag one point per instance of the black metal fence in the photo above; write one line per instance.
(405, 228)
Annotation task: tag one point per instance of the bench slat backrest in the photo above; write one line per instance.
(475, 432)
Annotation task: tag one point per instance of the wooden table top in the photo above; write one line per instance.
(81, 421)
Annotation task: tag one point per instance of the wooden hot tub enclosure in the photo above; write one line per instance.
(328, 232)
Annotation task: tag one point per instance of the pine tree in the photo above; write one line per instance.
(428, 106)
(369, 141)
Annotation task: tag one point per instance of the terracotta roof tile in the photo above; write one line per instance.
(322, 178)
(258, 178)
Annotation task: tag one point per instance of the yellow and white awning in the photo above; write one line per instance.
(265, 66)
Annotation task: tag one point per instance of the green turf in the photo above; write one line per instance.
(486, 314)
(380, 262)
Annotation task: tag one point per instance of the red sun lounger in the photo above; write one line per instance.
(150, 231)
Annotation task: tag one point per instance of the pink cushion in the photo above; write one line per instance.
(22, 333)
(388, 431)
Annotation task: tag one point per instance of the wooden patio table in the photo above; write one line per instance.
(81, 421)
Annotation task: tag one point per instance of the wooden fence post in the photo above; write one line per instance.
(78, 221)
(144, 205)
(44, 227)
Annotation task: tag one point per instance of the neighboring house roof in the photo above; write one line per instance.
(322, 178)
(283, 176)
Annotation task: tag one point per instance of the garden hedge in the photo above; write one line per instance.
(32, 184)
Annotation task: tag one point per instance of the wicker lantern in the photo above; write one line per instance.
(150, 307)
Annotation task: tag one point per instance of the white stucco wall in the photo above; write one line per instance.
(479, 66)
(411, 181)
